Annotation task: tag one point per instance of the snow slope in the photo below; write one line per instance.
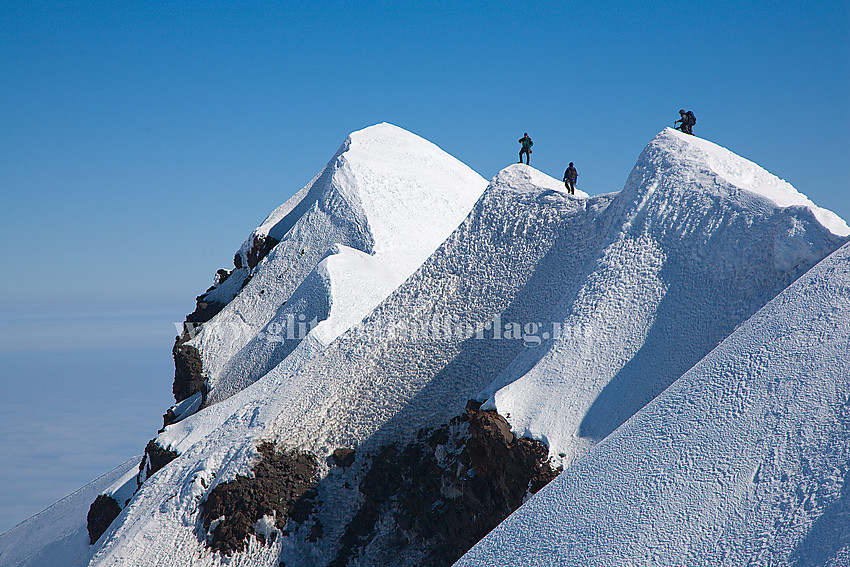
(58, 535)
(371, 385)
(379, 208)
(640, 284)
(689, 256)
(508, 232)
(677, 245)
(744, 460)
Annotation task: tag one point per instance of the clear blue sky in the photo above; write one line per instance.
(140, 142)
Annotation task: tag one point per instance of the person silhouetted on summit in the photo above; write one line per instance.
(688, 119)
(526, 148)
(570, 177)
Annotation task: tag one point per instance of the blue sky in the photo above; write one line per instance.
(140, 142)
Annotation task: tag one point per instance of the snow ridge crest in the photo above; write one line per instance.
(680, 162)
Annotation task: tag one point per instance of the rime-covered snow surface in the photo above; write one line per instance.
(689, 257)
(380, 207)
(745, 460)
(568, 314)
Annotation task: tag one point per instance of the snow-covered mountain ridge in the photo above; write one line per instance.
(745, 460)
(689, 257)
(565, 314)
(380, 207)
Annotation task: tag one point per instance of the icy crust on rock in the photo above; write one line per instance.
(688, 257)
(58, 535)
(372, 385)
(388, 194)
(744, 460)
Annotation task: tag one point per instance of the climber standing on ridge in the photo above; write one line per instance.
(570, 177)
(688, 119)
(526, 148)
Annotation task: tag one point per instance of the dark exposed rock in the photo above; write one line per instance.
(155, 458)
(204, 309)
(316, 532)
(221, 276)
(168, 418)
(282, 486)
(187, 365)
(260, 247)
(102, 512)
(343, 457)
(237, 261)
(447, 490)
(188, 372)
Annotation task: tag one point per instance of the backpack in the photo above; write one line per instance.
(691, 117)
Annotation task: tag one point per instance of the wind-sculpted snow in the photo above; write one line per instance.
(745, 460)
(689, 257)
(386, 193)
(403, 369)
(750, 177)
(566, 313)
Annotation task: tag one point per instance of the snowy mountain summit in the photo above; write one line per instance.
(381, 206)
(403, 355)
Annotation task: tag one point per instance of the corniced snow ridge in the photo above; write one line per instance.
(380, 207)
(744, 460)
(566, 314)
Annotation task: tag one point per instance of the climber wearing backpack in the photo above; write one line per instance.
(688, 119)
(570, 176)
(526, 148)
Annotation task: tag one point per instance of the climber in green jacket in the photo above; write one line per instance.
(526, 148)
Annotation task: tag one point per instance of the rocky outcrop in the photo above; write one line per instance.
(105, 508)
(188, 381)
(260, 247)
(221, 276)
(514, 466)
(281, 488)
(187, 362)
(155, 458)
(343, 457)
(102, 512)
(188, 371)
(205, 310)
(444, 492)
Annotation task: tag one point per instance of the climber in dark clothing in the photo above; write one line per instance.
(570, 176)
(526, 148)
(688, 119)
